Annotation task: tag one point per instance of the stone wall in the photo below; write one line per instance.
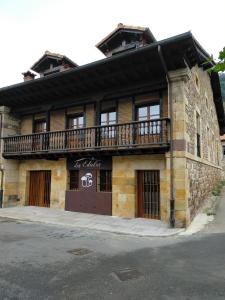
(58, 180)
(204, 171)
(10, 173)
(194, 176)
(124, 198)
(201, 179)
(199, 100)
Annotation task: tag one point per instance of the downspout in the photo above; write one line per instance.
(172, 201)
(1, 169)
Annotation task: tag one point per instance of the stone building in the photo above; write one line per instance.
(136, 134)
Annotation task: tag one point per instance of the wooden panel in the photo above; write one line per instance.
(26, 125)
(75, 110)
(125, 111)
(40, 116)
(139, 100)
(90, 115)
(108, 105)
(57, 120)
(39, 192)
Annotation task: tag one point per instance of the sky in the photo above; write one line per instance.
(73, 27)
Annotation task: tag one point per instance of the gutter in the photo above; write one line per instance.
(172, 200)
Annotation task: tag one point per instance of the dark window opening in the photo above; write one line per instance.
(198, 137)
(75, 122)
(105, 181)
(74, 180)
(40, 126)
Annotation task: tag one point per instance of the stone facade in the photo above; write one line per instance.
(201, 178)
(124, 184)
(58, 180)
(10, 168)
(194, 175)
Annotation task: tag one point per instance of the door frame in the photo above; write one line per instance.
(140, 190)
(46, 188)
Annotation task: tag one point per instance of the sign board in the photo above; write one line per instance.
(89, 163)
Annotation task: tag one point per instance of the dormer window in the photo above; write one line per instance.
(125, 38)
(51, 63)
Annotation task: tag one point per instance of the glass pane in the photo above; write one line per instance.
(154, 112)
(81, 122)
(103, 118)
(40, 126)
(112, 116)
(44, 126)
(142, 112)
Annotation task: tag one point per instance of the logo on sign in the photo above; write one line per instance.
(87, 163)
(86, 180)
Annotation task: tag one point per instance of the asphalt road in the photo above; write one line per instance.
(48, 262)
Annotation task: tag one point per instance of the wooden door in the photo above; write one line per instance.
(39, 140)
(149, 127)
(108, 129)
(148, 188)
(75, 138)
(39, 192)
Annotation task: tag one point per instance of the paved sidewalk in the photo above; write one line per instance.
(140, 227)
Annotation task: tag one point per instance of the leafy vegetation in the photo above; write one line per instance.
(220, 62)
(222, 84)
(217, 188)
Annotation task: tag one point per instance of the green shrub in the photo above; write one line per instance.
(218, 187)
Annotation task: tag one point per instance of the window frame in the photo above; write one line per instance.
(76, 180)
(155, 128)
(75, 117)
(106, 132)
(106, 184)
(198, 134)
(148, 106)
(39, 121)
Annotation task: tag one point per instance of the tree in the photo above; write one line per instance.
(222, 85)
(220, 63)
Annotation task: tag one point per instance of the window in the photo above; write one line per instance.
(105, 182)
(40, 126)
(74, 180)
(75, 122)
(209, 143)
(197, 81)
(108, 118)
(145, 113)
(150, 112)
(198, 135)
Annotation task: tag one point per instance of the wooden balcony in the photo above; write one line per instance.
(148, 136)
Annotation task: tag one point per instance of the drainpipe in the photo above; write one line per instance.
(172, 201)
(1, 170)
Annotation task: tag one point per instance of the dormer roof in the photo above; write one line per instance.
(54, 59)
(127, 33)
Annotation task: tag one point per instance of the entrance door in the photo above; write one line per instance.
(40, 184)
(148, 194)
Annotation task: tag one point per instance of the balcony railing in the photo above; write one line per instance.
(130, 135)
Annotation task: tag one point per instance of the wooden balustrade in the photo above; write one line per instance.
(128, 135)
